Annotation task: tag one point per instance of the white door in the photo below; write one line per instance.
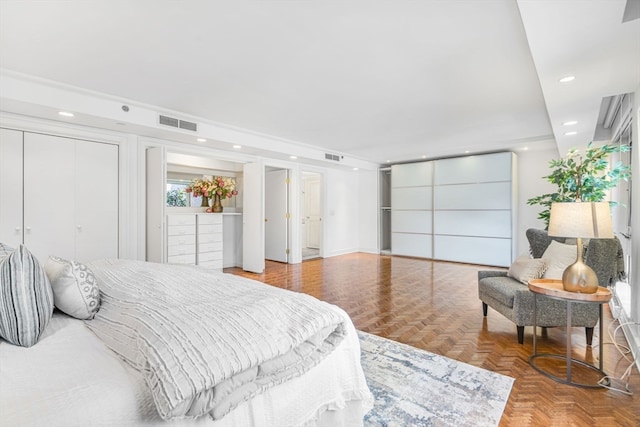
(11, 187)
(276, 212)
(49, 199)
(96, 218)
(156, 199)
(312, 212)
(253, 218)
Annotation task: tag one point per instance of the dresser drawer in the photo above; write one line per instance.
(179, 230)
(182, 259)
(185, 239)
(181, 250)
(209, 256)
(217, 264)
(209, 229)
(209, 247)
(210, 238)
(181, 220)
(208, 219)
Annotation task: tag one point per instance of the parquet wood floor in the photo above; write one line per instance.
(434, 306)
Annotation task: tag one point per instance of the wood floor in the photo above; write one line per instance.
(434, 306)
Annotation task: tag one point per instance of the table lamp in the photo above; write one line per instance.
(588, 220)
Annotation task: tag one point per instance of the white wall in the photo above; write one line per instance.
(533, 165)
(634, 278)
(340, 229)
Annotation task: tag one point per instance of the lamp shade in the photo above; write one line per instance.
(589, 220)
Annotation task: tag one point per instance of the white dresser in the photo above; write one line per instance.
(181, 239)
(196, 239)
(209, 240)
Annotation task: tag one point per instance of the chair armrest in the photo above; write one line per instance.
(482, 274)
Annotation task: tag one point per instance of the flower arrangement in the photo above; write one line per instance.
(223, 186)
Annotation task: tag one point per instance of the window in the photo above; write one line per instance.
(176, 194)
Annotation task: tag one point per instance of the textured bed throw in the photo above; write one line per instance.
(206, 341)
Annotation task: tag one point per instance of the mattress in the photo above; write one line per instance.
(71, 379)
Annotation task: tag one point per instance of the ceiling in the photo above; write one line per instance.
(378, 80)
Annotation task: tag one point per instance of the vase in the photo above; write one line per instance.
(205, 202)
(217, 206)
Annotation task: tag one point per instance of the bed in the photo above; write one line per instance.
(169, 345)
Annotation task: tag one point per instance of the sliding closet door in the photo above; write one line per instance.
(10, 187)
(474, 206)
(411, 209)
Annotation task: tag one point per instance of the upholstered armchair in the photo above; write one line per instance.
(514, 300)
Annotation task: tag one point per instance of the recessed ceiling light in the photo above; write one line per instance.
(201, 140)
(466, 151)
(424, 157)
(237, 147)
(293, 157)
(567, 79)
(570, 123)
(388, 161)
(570, 133)
(65, 113)
(355, 169)
(525, 148)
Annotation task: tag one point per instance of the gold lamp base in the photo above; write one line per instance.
(579, 277)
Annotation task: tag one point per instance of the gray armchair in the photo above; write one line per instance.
(514, 300)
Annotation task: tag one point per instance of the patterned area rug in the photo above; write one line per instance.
(413, 387)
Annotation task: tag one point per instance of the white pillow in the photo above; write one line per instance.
(75, 289)
(559, 256)
(525, 268)
(26, 301)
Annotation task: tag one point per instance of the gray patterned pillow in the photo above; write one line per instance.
(75, 290)
(26, 300)
(5, 251)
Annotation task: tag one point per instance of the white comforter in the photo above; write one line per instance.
(206, 341)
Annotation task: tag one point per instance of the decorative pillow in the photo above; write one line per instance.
(26, 300)
(525, 268)
(75, 289)
(5, 251)
(559, 256)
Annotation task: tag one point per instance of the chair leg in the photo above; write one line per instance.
(589, 332)
(520, 334)
(484, 309)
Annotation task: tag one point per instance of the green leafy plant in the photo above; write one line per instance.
(582, 178)
(176, 198)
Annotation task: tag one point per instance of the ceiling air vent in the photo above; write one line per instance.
(177, 123)
(334, 157)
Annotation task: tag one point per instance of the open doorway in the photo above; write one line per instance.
(311, 214)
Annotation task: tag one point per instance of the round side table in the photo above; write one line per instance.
(552, 288)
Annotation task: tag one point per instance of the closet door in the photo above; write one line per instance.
(96, 200)
(49, 199)
(70, 198)
(11, 187)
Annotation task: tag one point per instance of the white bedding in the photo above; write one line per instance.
(205, 341)
(71, 379)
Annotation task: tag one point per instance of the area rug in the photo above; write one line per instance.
(413, 387)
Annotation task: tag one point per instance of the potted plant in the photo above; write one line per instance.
(582, 178)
